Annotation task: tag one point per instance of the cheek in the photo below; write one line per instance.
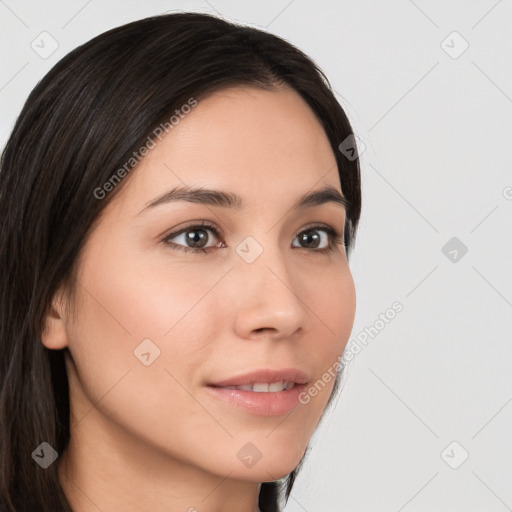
(147, 296)
(116, 310)
(332, 301)
(122, 301)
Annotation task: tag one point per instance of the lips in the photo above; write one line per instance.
(263, 392)
(264, 387)
(256, 380)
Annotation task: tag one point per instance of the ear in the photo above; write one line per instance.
(54, 335)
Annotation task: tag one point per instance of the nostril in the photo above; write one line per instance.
(265, 329)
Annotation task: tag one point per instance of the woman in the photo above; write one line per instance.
(176, 225)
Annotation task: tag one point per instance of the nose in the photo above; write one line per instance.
(268, 298)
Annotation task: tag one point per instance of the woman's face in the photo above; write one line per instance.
(170, 315)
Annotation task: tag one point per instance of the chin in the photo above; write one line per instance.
(262, 474)
(267, 461)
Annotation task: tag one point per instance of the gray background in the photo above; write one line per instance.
(437, 126)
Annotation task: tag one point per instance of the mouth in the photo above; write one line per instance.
(263, 392)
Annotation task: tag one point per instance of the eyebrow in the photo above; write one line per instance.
(202, 195)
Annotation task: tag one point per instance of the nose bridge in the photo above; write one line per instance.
(267, 294)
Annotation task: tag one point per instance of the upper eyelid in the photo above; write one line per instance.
(319, 225)
(199, 224)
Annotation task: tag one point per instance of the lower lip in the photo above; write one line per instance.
(275, 403)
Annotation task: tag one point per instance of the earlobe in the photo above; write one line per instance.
(54, 335)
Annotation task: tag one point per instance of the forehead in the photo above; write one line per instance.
(256, 143)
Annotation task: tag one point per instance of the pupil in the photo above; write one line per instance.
(311, 236)
(196, 237)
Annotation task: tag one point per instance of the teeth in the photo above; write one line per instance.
(277, 386)
(261, 388)
(264, 387)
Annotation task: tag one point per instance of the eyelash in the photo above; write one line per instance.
(335, 238)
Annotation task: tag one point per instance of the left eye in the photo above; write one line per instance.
(314, 238)
(193, 238)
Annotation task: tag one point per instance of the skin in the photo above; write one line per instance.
(153, 437)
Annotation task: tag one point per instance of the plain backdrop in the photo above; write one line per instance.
(423, 421)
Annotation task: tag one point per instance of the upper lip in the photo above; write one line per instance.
(267, 375)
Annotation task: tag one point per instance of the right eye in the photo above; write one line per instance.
(193, 238)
